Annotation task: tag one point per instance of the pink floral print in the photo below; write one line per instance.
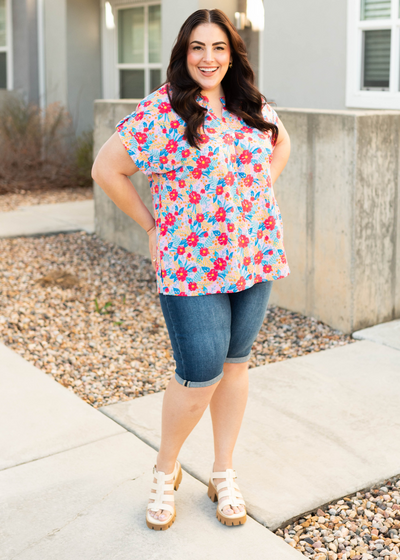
(218, 225)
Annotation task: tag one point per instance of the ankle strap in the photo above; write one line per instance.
(229, 474)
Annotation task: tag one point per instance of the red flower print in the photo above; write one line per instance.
(229, 179)
(228, 139)
(270, 222)
(283, 259)
(220, 215)
(204, 138)
(267, 268)
(258, 278)
(170, 219)
(141, 137)
(164, 107)
(163, 229)
(211, 130)
(192, 239)
(220, 264)
(197, 173)
(163, 160)
(246, 261)
(147, 103)
(203, 162)
(212, 275)
(258, 257)
(241, 283)
(163, 273)
(173, 195)
(246, 129)
(194, 197)
(219, 189)
(222, 239)
(200, 218)
(239, 135)
(185, 153)
(203, 251)
(278, 234)
(257, 167)
(182, 184)
(174, 124)
(243, 241)
(233, 158)
(259, 234)
(172, 146)
(139, 116)
(248, 180)
(246, 157)
(171, 175)
(181, 274)
(192, 286)
(246, 205)
(231, 227)
(181, 249)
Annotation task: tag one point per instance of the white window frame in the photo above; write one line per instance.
(371, 99)
(8, 48)
(146, 66)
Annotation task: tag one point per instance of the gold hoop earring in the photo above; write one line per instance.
(230, 64)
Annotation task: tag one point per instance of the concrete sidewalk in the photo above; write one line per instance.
(74, 485)
(45, 219)
(75, 482)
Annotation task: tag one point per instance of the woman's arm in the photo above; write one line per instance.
(281, 152)
(111, 170)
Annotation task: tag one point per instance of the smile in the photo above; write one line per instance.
(208, 71)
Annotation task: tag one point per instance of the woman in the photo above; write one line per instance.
(205, 140)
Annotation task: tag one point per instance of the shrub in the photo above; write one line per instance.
(38, 148)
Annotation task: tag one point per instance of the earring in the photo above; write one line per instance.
(230, 64)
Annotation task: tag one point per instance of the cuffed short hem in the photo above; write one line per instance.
(238, 360)
(187, 383)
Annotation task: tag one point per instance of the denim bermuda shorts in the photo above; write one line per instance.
(208, 330)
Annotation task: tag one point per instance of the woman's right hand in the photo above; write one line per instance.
(153, 246)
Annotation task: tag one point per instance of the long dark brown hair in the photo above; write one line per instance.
(241, 95)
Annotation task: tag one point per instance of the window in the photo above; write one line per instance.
(3, 45)
(373, 56)
(139, 50)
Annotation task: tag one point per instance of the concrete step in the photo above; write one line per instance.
(385, 333)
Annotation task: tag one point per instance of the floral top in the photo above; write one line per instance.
(218, 225)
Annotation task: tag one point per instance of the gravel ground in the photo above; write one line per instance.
(87, 313)
(13, 201)
(363, 526)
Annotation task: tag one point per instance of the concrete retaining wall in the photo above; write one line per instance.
(340, 204)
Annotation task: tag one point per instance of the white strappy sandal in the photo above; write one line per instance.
(159, 497)
(229, 491)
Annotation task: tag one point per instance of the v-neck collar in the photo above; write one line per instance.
(205, 102)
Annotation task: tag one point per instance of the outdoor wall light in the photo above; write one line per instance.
(110, 24)
(255, 14)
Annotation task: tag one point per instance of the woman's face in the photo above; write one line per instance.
(208, 55)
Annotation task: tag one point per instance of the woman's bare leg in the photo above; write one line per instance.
(182, 409)
(227, 408)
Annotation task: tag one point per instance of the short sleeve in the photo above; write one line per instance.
(153, 135)
(270, 114)
(137, 138)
